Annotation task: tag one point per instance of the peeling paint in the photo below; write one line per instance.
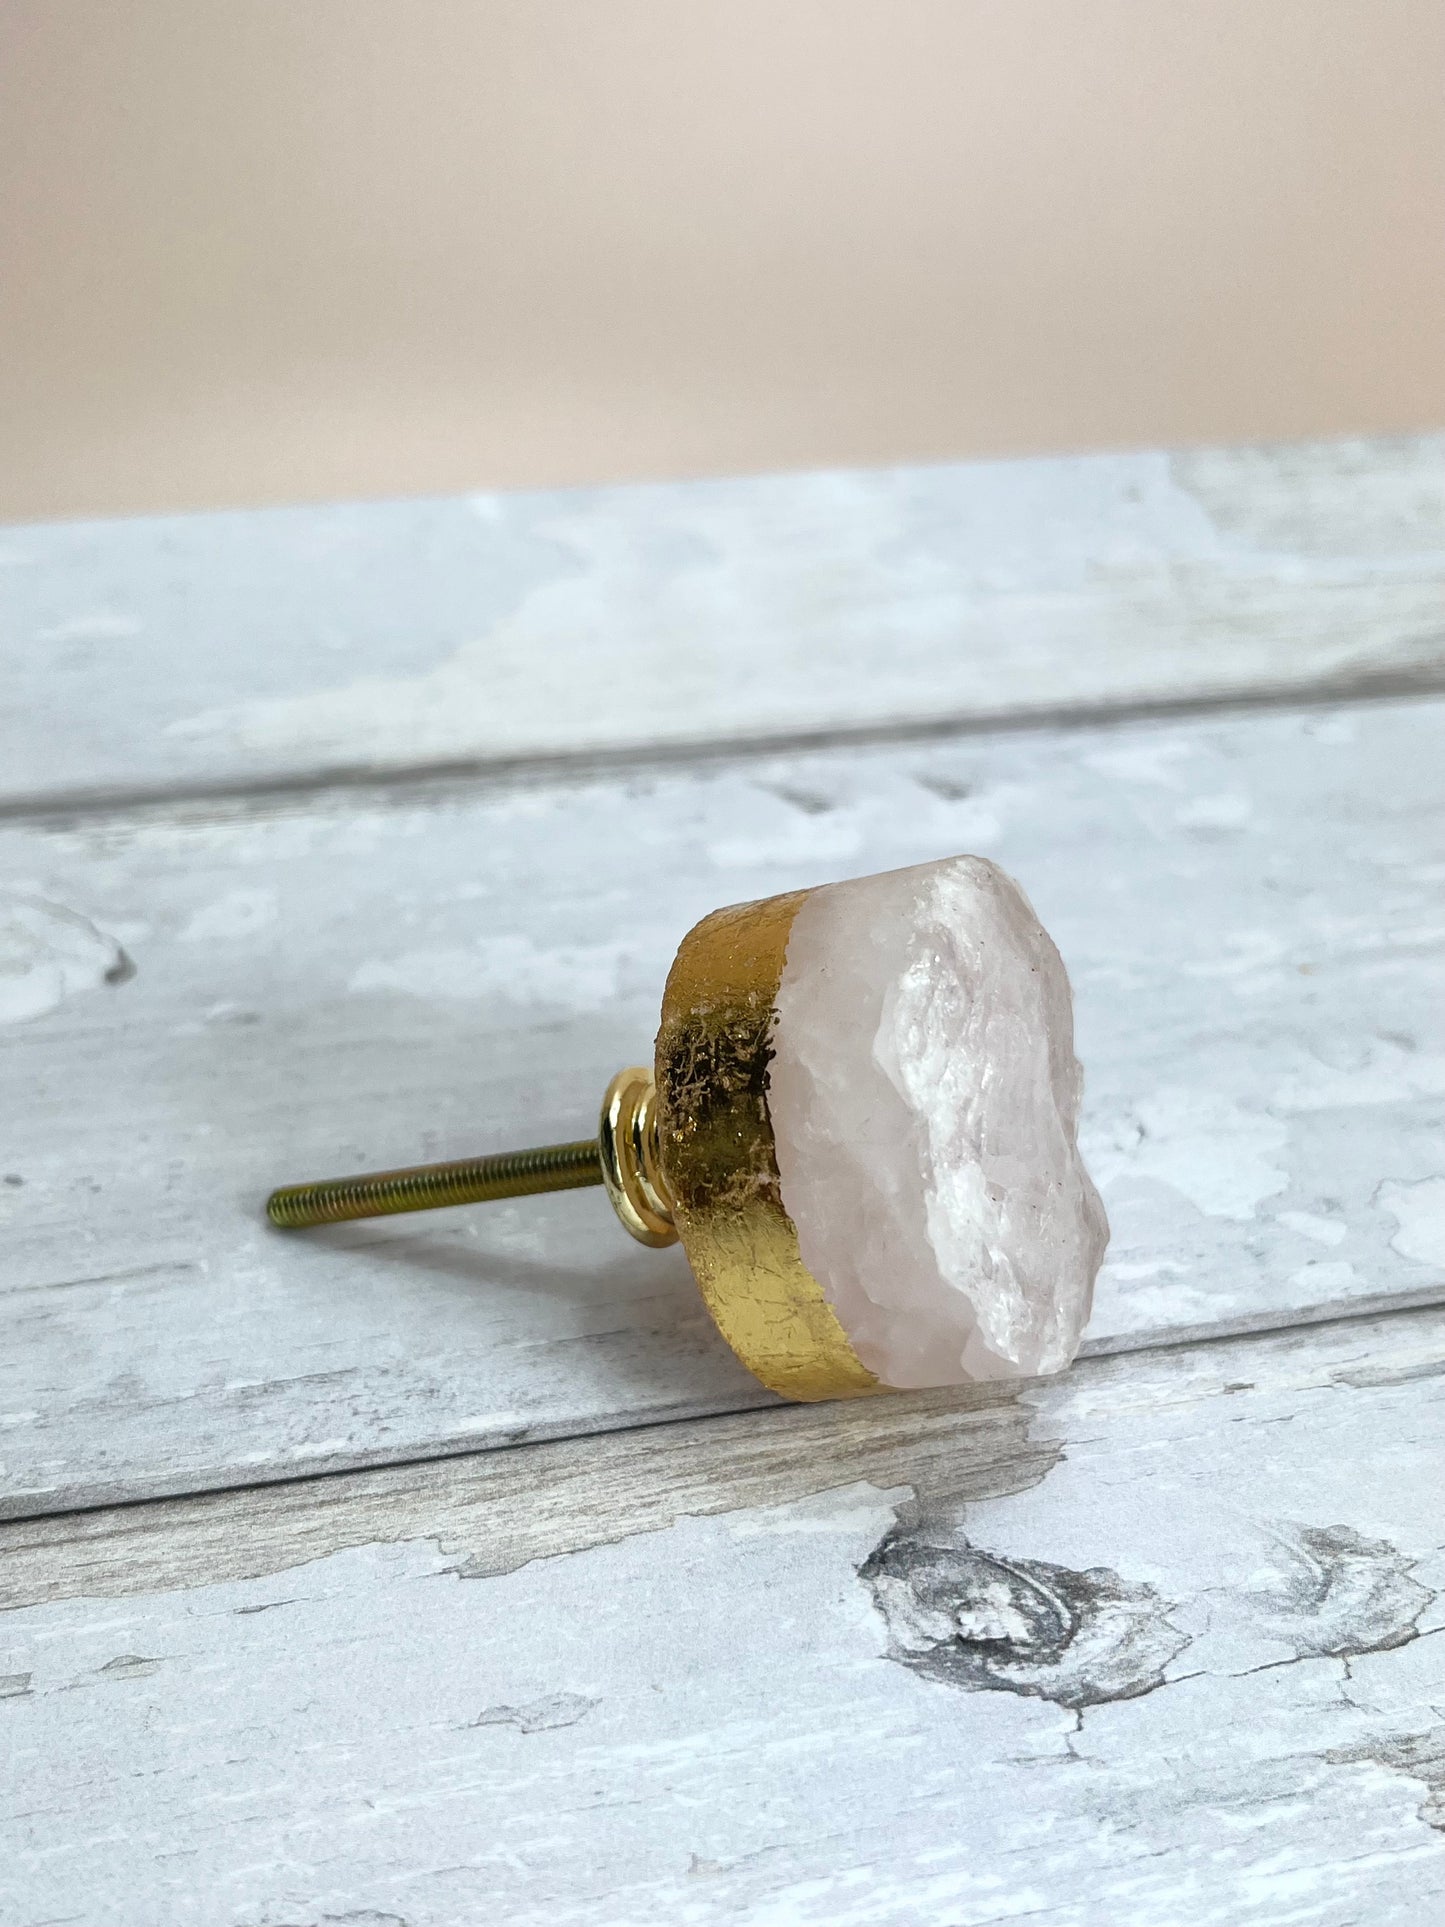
(1419, 1210)
(1309, 1224)
(1384, 1072)
(1212, 1151)
(130, 1666)
(1323, 1282)
(986, 1623)
(539, 1716)
(240, 913)
(48, 953)
(1420, 1755)
(1336, 1592)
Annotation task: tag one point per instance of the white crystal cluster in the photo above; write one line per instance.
(924, 1098)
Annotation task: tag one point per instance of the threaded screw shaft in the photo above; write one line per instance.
(425, 1187)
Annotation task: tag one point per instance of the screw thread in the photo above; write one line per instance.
(508, 1174)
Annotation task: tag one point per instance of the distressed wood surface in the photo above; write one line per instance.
(230, 650)
(209, 999)
(1160, 1641)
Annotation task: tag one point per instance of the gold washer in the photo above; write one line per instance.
(627, 1146)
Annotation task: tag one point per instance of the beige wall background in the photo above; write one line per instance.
(286, 249)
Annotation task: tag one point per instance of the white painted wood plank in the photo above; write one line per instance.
(1250, 908)
(1163, 1640)
(212, 650)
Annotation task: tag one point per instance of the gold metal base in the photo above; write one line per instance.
(714, 1047)
(686, 1155)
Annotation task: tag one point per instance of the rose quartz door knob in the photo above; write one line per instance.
(862, 1125)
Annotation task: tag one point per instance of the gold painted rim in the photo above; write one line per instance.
(718, 1159)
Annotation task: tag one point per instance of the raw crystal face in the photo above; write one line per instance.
(924, 1099)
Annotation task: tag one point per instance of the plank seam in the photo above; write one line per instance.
(62, 808)
(1396, 1307)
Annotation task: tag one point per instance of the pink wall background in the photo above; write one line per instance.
(281, 250)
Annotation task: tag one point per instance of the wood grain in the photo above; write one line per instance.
(1159, 1640)
(213, 998)
(221, 652)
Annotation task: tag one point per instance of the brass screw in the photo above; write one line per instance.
(623, 1156)
(427, 1187)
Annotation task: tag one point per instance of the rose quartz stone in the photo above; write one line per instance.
(924, 1098)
